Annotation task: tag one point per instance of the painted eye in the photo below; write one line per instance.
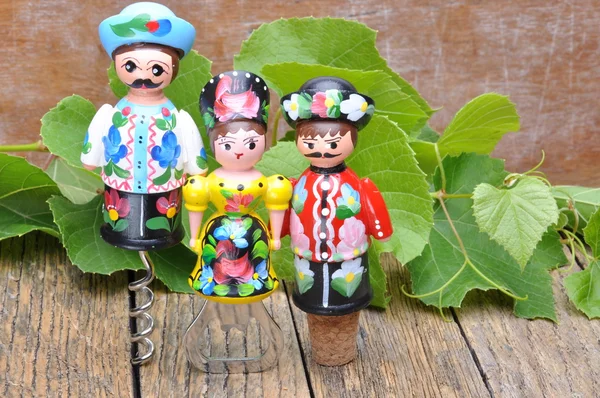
(227, 147)
(309, 145)
(250, 145)
(157, 70)
(332, 145)
(130, 66)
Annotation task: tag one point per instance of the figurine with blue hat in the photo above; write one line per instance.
(144, 145)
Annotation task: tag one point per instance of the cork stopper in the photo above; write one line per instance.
(333, 338)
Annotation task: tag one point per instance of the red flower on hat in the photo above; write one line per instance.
(318, 105)
(228, 105)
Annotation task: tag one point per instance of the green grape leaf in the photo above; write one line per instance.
(425, 155)
(583, 288)
(516, 217)
(80, 230)
(173, 267)
(283, 260)
(442, 264)
(591, 233)
(64, 128)
(389, 98)
(76, 184)
(24, 190)
(428, 134)
(384, 156)
(327, 41)
(479, 125)
(378, 279)
(586, 202)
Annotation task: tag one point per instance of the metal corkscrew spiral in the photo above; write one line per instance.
(140, 312)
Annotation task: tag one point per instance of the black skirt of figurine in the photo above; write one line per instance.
(142, 222)
(312, 300)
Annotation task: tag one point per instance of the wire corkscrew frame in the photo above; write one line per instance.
(140, 318)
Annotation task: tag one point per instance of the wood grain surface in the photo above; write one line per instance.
(544, 54)
(170, 374)
(521, 358)
(63, 333)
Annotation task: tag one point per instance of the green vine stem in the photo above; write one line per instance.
(441, 166)
(37, 146)
(443, 195)
(276, 126)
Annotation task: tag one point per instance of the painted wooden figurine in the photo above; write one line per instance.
(144, 145)
(334, 214)
(234, 244)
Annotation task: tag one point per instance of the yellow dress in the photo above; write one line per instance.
(234, 244)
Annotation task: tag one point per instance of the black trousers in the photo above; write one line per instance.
(323, 299)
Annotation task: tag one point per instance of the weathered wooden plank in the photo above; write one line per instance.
(170, 373)
(542, 53)
(405, 351)
(521, 358)
(62, 332)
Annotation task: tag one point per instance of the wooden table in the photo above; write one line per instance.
(65, 333)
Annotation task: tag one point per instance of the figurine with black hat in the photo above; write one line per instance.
(144, 145)
(334, 215)
(234, 245)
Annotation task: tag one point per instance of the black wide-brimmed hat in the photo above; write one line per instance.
(327, 98)
(234, 95)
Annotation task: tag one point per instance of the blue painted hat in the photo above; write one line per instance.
(146, 23)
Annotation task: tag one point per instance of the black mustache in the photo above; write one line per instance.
(138, 83)
(321, 155)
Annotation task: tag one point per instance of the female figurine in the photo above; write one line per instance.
(144, 145)
(234, 244)
(334, 215)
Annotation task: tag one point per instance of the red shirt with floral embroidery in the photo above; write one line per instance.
(334, 212)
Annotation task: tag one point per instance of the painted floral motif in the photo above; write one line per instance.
(228, 106)
(170, 206)
(260, 275)
(167, 155)
(346, 280)
(168, 152)
(300, 195)
(142, 23)
(327, 104)
(206, 283)
(114, 151)
(300, 242)
(87, 146)
(298, 106)
(237, 252)
(229, 267)
(355, 107)
(237, 202)
(115, 209)
(304, 276)
(234, 230)
(353, 240)
(348, 205)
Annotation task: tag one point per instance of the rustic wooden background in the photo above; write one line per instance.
(544, 54)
